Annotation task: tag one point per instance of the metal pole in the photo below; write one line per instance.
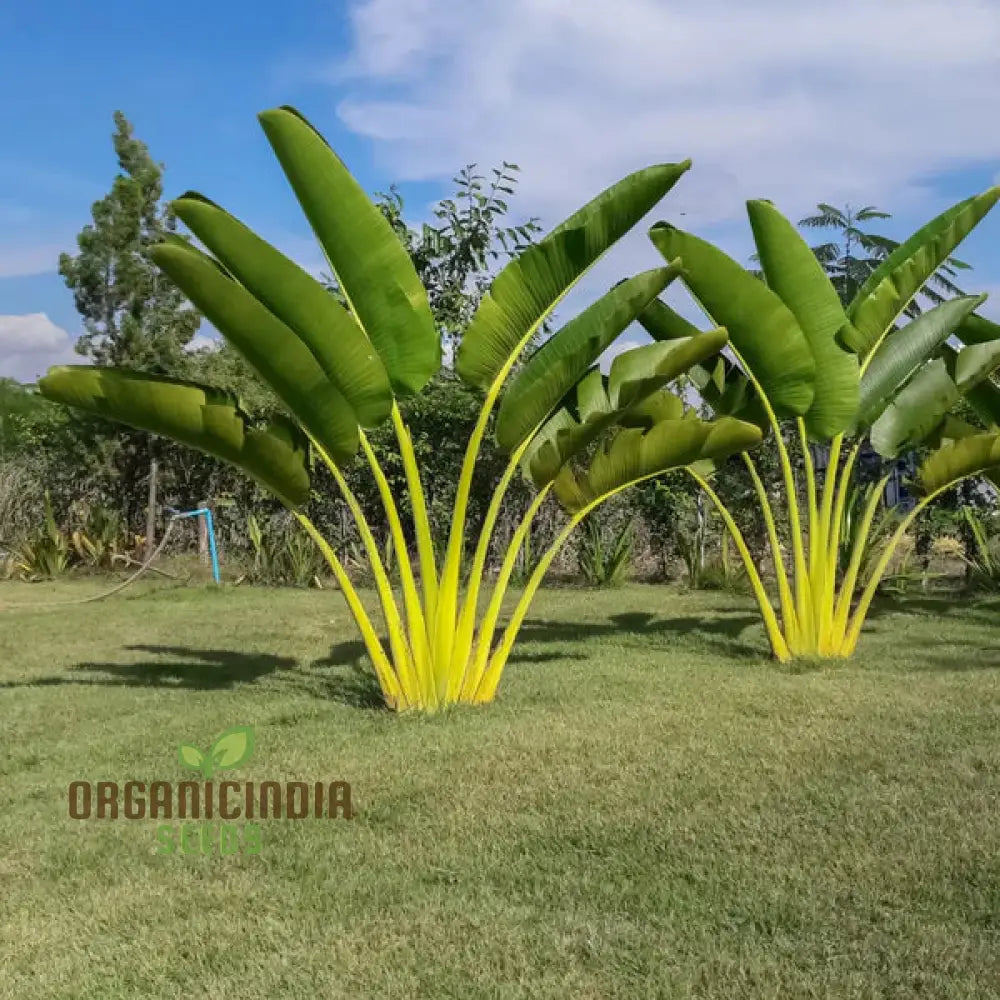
(210, 523)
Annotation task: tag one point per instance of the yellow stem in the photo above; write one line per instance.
(411, 598)
(803, 607)
(778, 644)
(445, 624)
(837, 520)
(857, 554)
(401, 655)
(861, 612)
(465, 634)
(421, 522)
(829, 577)
(484, 641)
(388, 681)
(491, 676)
(788, 617)
(817, 540)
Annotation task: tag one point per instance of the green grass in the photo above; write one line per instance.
(650, 809)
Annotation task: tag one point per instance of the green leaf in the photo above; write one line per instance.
(761, 327)
(331, 334)
(973, 365)
(958, 460)
(903, 352)
(190, 757)
(722, 386)
(636, 373)
(629, 396)
(278, 356)
(369, 261)
(984, 399)
(952, 429)
(795, 275)
(563, 359)
(532, 284)
(199, 416)
(978, 330)
(232, 748)
(916, 412)
(891, 287)
(634, 454)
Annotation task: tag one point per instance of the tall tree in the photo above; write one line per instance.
(132, 314)
(855, 252)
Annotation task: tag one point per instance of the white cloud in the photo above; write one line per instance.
(204, 342)
(29, 344)
(791, 100)
(785, 99)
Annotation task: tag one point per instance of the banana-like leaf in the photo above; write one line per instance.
(795, 275)
(629, 396)
(330, 332)
(722, 386)
(563, 359)
(637, 373)
(272, 349)
(373, 268)
(984, 399)
(663, 323)
(971, 366)
(978, 330)
(196, 415)
(952, 429)
(634, 454)
(761, 327)
(903, 352)
(959, 459)
(917, 410)
(531, 285)
(891, 287)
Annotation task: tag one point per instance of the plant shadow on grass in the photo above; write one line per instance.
(190, 669)
(719, 632)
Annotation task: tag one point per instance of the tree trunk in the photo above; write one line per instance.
(151, 510)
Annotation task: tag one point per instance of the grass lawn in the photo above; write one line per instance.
(651, 808)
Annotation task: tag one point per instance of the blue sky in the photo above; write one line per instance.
(792, 100)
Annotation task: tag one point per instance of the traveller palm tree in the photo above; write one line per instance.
(802, 362)
(340, 364)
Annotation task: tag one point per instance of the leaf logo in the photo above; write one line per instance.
(232, 748)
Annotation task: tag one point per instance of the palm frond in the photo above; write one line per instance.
(871, 212)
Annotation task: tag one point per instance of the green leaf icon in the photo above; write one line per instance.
(191, 757)
(232, 748)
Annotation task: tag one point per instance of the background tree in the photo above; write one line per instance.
(133, 316)
(456, 259)
(855, 253)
